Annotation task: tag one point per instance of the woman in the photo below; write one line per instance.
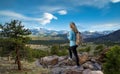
(73, 46)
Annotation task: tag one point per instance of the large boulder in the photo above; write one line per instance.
(96, 72)
(57, 70)
(86, 71)
(49, 60)
(92, 64)
(74, 70)
(88, 65)
(62, 58)
(83, 58)
(70, 63)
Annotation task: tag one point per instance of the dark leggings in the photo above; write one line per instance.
(73, 49)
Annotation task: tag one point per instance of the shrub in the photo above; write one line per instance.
(98, 49)
(36, 53)
(112, 61)
(62, 52)
(28, 54)
(54, 50)
(86, 49)
(59, 50)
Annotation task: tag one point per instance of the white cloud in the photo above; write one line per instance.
(72, 4)
(115, 1)
(62, 12)
(12, 14)
(45, 19)
(95, 3)
(52, 9)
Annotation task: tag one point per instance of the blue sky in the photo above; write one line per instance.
(89, 15)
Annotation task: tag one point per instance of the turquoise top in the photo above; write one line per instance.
(72, 38)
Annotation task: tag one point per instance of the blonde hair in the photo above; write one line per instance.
(73, 27)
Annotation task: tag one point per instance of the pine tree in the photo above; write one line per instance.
(16, 32)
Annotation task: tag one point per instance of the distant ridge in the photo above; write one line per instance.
(63, 33)
(112, 37)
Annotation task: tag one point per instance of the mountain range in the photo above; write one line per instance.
(46, 32)
(112, 37)
(63, 33)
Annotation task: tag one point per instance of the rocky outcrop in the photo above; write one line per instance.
(61, 65)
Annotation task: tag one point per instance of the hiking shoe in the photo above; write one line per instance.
(69, 59)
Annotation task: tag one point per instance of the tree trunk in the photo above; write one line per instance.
(18, 58)
(9, 59)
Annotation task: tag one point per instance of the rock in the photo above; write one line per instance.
(88, 65)
(66, 70)
(92, 60)
(66, 63)
(73, 72)
(96, 72)
(57, 70)
(49, 60)
(37, 63)
(83, 58)
(62, 58)
(70, 63)
(97, 66)
(61, 65)
(92, 65)
(86, 71)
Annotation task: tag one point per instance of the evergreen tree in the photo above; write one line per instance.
(16, 32)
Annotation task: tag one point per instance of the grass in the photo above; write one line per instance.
(35, 71)
(8, 67)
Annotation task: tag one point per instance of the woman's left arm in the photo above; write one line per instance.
(70, 36)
